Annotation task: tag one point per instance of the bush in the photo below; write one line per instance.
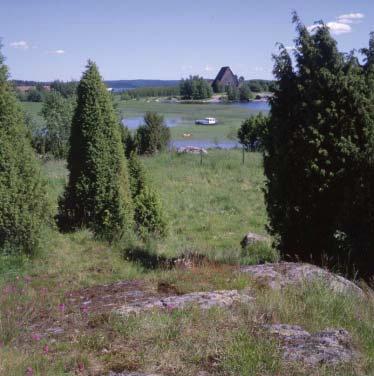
(24, 208)
(149, 217)
(252, 132)
(98, 194)
(154, 136)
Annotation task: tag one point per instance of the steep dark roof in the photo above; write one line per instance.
(225, 71)
(221, 73)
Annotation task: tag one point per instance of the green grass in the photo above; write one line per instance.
(210, 207)
(230, 117)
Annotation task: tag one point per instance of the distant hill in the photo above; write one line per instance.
(133, 84)
(115, 84)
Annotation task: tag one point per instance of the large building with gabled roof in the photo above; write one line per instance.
(225, 77)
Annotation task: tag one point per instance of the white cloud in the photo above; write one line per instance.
(342, 25)
(336, 28)
(339, 28)
(351, 18)
(208, 68)
(56, 52)
(291, 48)
(21, 45)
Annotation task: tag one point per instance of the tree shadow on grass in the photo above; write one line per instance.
(147, 258)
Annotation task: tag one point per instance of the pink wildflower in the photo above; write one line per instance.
(29, 371)
(36, 336)
(61, 307)
(45, 349)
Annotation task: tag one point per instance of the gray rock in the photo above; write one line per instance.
(330, 347)
(283, 274)
(191, 150)
(252, 238)
(204, 300)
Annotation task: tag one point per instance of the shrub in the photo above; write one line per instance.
(149, 216)
(24, 208)
(97, 195)
(154, 136)
(252, 132)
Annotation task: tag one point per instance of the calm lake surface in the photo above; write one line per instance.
(135, 122)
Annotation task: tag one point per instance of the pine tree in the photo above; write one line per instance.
(318, 146)
(149, 215)
(24, 208)
(97, 195)
(153, 136)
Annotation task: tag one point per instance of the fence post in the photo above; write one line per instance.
(201, 157)
(243, 155)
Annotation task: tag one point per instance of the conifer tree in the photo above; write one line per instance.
(318, 147)
(97, 195)
(24, 208)
(149, 215)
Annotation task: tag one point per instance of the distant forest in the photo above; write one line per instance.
(256, 85)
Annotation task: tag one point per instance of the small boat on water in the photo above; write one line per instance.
(206, 121)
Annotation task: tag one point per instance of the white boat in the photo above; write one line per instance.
(206, 121)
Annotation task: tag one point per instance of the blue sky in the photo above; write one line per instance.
(164, 39)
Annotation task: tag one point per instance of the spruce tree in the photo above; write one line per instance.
(149, 216)
(24, 208)
(97, 195)
(318, 147)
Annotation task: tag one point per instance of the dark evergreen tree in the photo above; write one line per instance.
(153, 136)
(24, 208)
(319, 155)
(149, 215)
(97, 195)
(57, 112)
(128, 141)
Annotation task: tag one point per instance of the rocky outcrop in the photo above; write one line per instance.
(192, 150)
(283, 274)
(329, 347)
(204, 300)
(252, 238)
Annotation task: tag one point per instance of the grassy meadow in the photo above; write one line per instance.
(209, 208)
(229, 116)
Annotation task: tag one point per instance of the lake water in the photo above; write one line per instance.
(206, 144)
(136, 122)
